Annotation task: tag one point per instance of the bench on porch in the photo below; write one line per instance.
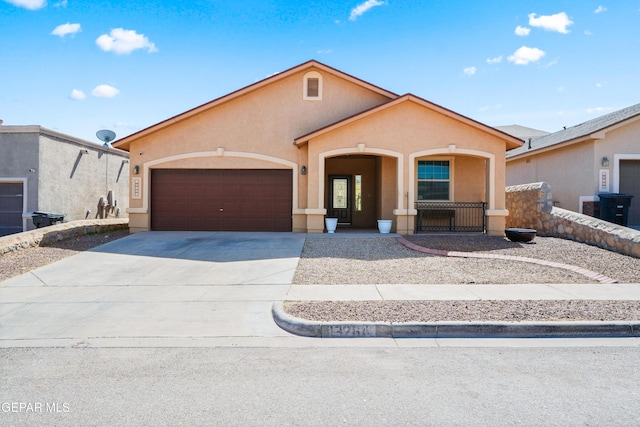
(450, 216)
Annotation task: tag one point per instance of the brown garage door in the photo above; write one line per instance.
(221, 200)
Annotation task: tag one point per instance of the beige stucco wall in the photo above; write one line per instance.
(406, 133)
(256, 129)
(259, 126)
(569, 170)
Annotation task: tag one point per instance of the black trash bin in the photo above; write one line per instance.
(614, 207)
(44, 219)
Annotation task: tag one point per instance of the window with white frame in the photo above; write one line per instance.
(312, 86)
(434, 180)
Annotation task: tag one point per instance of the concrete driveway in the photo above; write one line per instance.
(155, 288)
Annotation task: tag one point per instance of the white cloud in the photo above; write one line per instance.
(63, 3)
(587, 33)
(600, 9)
(490, 107)
(78, 95)
(324, 51)
(597, 110)
(599, 85)
(470, 71)
(64, 29)
(522, 31)
(123, 41)
(105, 91)
(558, 22)
(360, 9)
(496, 60)
(526, 55)
(29, 4)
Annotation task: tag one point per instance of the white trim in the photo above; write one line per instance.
(496, 212)
(603, 181)
(459, 151)
(582, 199)
(359, 149)
(616, 168)
(305, 86)
(22, 180)
(220, 152)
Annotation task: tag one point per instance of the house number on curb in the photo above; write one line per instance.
(351, 330)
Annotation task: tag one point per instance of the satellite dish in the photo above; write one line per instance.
(106, 136)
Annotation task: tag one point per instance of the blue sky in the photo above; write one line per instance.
(80, 66)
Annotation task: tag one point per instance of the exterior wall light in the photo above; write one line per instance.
(136, 170)
(605, 161)
(303, 170)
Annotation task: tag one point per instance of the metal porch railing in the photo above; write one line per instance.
(450, 216)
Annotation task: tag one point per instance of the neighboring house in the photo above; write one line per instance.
(42, 170)
(598, 156)
(310, 142)
(522, 132)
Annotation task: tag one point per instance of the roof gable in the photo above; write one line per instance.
(512, 142)
(309, 65)
(591, 129)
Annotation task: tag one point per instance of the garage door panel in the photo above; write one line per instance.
(630, 184)
(11, 204)
(221, 200)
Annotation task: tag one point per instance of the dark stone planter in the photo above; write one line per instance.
(520, 234)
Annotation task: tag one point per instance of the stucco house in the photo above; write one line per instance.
(598, 156)
(42, 170)
(314, 142)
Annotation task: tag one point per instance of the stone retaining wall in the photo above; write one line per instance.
(55, 233)
(531, 206)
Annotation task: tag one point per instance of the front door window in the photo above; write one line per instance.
(340, 198)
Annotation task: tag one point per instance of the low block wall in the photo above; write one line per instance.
(58, 232)
(531, 206)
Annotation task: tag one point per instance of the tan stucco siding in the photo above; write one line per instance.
(469, 182)
(409, 128)
(570, 171)
(254, 130)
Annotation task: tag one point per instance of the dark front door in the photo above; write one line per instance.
(340, 198)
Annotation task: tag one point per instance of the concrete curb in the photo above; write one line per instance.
(444, 329)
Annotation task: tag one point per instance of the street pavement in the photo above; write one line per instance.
(199, 289)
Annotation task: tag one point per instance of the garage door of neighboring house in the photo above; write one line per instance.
(11, 198)
(221, 200)
(630, 184)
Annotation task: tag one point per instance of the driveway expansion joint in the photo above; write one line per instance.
(457, 254)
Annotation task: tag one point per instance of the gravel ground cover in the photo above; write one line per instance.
(20, 262)
(431, 311)
(382, 260)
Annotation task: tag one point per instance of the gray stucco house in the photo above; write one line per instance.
(42, 170)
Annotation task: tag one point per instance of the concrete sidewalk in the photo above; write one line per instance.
(206, 289)
(449, 329)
